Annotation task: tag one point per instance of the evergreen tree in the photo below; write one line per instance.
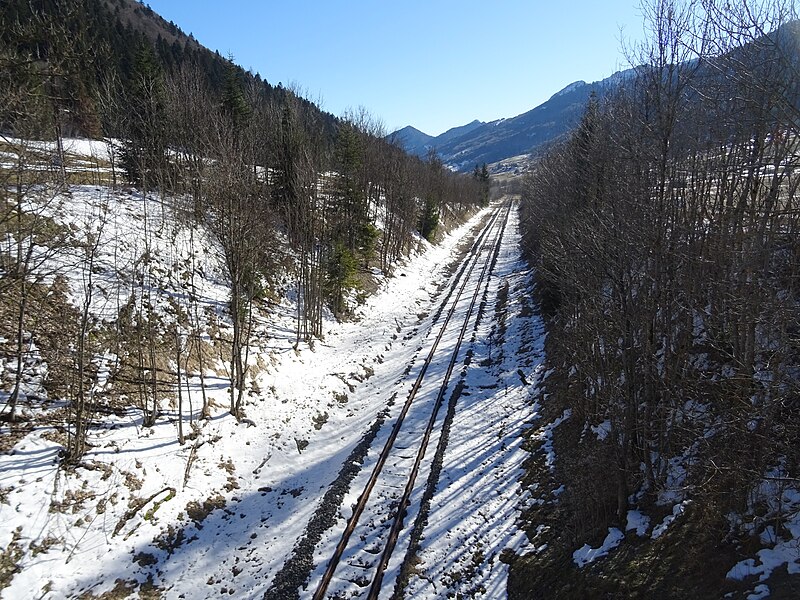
(481, 175)
(233, 101)
(144, 150)
(340, 276)
(429, 219)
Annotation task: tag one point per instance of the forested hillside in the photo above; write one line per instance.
(86, 46)
(666, 237)
(285, 192)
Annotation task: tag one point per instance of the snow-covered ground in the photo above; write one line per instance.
(471, 502)
(221, 514)
(475, 509)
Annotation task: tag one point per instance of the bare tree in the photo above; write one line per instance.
(664, 264)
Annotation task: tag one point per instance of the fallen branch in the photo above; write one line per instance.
(131, 512)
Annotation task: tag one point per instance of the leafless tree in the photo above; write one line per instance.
(664, 232)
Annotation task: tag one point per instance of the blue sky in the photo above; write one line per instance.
(432, 64)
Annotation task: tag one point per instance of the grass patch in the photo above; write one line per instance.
(9, 559)
(198, 512)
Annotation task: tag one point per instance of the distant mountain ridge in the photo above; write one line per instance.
(413, 140)
(478, 142)
(420, 143)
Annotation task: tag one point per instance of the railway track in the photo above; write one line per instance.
(367, 543)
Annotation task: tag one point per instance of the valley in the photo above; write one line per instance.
(250, 348)
(143, 513)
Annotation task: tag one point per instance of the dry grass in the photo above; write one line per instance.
(9, 559)
(31, 165)
(198, 512)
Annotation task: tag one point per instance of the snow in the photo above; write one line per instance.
(674, 488)
(761, 591)
(79, 147)
(221, 514)
(777, 551)
(476, 507)
(677, 510)
(545, 435)
(602, 430)
(570, 88)
(638, 522)
(769, 559)
(586, 554)
(783, 502)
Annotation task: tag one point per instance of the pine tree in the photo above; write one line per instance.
(233, 100)
(481, 175)
(429, 219)
(144, 151)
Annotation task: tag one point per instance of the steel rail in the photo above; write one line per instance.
(361, 503)
(397, 524)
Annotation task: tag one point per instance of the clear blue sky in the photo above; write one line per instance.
(433, 64)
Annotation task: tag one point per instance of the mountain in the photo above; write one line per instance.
(419, 143)
(477, 142)
(457, 132)
(531, 132)
(413, 140)
(94, 42)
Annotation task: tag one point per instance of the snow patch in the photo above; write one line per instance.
(570, 88)
(602, 430)
(760, 591)
(768, 559)
(545, 434)
(586, 554)
(637, 521)
(677, 510)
